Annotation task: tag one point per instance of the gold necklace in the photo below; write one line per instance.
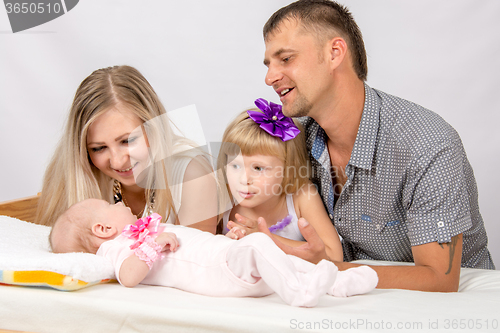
(118, 196)
(126, 204)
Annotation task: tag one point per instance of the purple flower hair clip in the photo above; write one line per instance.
(273, 121)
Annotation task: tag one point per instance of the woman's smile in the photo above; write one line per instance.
(126, 172)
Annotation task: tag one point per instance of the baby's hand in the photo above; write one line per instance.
(167, 238)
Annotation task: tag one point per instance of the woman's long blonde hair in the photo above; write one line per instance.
(71, 177)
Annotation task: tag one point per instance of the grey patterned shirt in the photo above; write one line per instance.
(408, 183)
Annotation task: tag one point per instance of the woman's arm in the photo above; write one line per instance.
(199, 197)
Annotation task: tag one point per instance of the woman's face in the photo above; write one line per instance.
(117, 146)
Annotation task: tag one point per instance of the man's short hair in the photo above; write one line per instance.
(326, 19)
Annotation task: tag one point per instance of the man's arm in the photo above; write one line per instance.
(437, 266)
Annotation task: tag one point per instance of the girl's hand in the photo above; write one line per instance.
(167, 238)
(235, 232)
(245, 225)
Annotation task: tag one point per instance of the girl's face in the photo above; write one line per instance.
(117, 146)
(254, 179)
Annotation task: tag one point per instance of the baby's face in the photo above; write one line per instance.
(117, 215)
(65, 234)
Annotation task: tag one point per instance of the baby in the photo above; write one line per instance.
(147, 252)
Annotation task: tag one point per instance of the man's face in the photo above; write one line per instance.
(297, 69)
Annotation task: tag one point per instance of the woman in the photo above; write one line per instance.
(118, 146)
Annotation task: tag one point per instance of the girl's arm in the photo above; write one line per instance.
(309, 205)
(199, 197)
(133, 269)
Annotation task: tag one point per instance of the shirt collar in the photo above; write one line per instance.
(364, 146)
(316, 141)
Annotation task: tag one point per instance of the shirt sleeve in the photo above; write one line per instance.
(436, 194)
(116, 250)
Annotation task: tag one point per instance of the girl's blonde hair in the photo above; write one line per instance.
(71, 177)
(245, 136)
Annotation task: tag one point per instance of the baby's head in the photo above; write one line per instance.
(86, 225)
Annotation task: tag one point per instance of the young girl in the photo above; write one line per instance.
(263, 161)
(144, 251)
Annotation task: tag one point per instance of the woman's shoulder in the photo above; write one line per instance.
(197, 166)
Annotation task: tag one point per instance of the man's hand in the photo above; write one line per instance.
(314, 248)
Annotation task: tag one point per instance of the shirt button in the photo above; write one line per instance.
(440, 224)
(331, 216)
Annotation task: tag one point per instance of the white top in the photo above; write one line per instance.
(179, 166)
(176, 179)
(291, 231)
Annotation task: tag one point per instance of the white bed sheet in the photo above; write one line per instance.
(113, 308)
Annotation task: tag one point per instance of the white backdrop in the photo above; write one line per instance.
(441, 54)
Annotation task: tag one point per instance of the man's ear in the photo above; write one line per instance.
(103, 231)
(338, 50)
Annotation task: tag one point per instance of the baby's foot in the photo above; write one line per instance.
(354, 281)
(319, 282)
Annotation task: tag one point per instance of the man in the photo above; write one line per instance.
(393, 176)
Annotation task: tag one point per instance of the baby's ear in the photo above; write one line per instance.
(103, 231)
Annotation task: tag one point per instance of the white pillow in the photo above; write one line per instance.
(26, 259)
